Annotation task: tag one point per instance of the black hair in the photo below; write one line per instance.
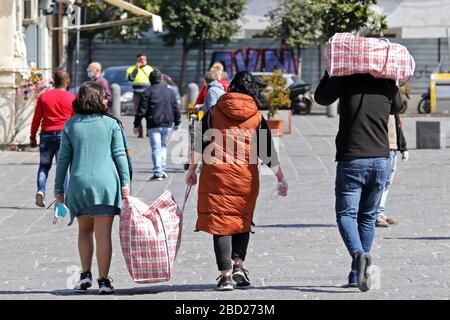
(155, 76)
(140, 55)
(60, 76)
(244, 82)
(90, 99)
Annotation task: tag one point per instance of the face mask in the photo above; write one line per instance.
(90, 74)
(60, 211)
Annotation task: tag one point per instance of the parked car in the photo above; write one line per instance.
(300, 94)
(117, 75)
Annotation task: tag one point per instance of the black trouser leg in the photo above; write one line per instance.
(239, 244)
(230, 247)
(222, 248)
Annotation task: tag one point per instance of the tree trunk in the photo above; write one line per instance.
(184, 56)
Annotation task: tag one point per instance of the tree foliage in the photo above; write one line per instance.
(295, 23)
(201, 20)
(196, 22)
(308, 22)
(350, 16)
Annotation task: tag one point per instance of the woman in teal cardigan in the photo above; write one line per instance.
(92, 147)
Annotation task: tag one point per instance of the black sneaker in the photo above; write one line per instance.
(224, 284)
(363, 261)
(85, 281)
(156, 178)
(104, 286)
(164, 175)
(240, 276)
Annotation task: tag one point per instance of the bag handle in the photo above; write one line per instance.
(387, 55)
(186, 196)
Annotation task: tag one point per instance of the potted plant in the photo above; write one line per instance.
(276, 97)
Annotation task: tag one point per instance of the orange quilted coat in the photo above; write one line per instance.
(228, 191)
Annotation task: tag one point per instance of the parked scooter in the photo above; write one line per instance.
(301, 98)
(424, 104)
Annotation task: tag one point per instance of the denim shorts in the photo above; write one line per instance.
(100, 210)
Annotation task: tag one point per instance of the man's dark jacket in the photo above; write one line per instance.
(365, 103)
(158, 106)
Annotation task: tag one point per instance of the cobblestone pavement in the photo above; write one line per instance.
(296, 252)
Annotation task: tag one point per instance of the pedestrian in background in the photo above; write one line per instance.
(215, 90)
(92, 147)
(217, 67)
(139, 75)
(159, 107)
(94, 72)
(53, 109)
(362, 153)
(397, 142)
(228, 188)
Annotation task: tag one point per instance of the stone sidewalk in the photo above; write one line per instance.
(296, 252)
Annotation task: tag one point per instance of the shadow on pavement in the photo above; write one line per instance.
(419, 238)
(178, 288)
(297, 226)
(20, 208)
(169, 170)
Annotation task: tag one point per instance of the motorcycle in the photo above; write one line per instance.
(301, 98)
(424, 104)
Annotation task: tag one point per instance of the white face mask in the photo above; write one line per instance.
(90, 74)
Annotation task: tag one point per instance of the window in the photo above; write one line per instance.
(30, 12)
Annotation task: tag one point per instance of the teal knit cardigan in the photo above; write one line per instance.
(92, 146)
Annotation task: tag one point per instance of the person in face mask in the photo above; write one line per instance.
(94, 71)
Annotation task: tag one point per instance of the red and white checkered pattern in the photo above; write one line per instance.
(150, 237)
(347, 54)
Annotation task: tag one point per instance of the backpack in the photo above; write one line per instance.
(125, 142)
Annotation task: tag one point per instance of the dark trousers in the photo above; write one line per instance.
(230, 247)
(136, 101)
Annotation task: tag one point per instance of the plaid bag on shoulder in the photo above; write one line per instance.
(347, 54)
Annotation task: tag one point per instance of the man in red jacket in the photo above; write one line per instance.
(53, 109)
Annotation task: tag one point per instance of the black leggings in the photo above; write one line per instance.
(226, 247)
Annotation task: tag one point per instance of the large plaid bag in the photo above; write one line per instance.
(150, 237)
(347, 54)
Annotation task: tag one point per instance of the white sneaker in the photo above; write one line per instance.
(40, 199)
(85, 281)
(104, 286)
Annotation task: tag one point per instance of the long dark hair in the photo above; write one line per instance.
(89, 99)
(244, 82)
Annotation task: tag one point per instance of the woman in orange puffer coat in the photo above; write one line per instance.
(229, 180)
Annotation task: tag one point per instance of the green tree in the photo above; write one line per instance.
(296, 23)
(350, 16)
(303, 23)
(196, 22)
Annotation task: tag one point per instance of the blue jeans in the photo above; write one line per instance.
(48, 148)
(391, 168)
(158, 142)
(359, 187)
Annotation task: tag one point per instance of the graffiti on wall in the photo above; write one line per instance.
(254, 60)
